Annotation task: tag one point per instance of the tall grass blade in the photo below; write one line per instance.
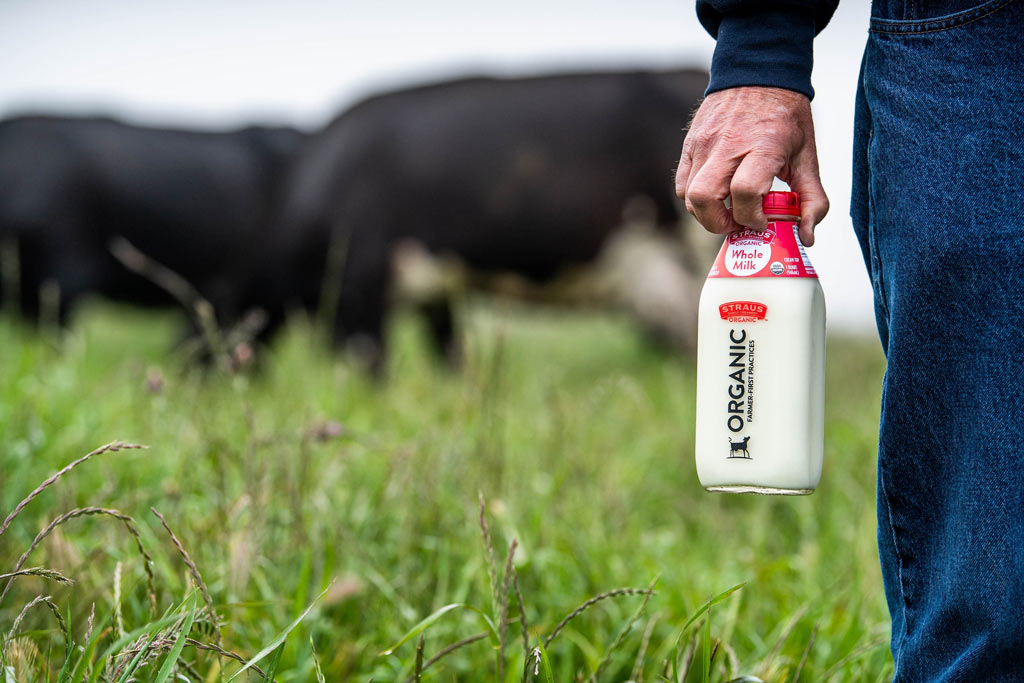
(807, 651)
(711, 603)
(524, 627)
(194, 571)
(272, 669)
(645, 640)
(179, 644)
(450, 649)
(117, 645)
(857, 652)
(492, 567)
(280, 637)
(620, 637)
(137, 659)
(417, 672)
(87, 649)
(316, 663)
(69, 646)
(503, 614)
(705, 659)
(545, 663)
(426, 623)
(783, 636)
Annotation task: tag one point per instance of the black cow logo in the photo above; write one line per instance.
(739, 447)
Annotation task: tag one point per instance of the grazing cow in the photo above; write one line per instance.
(528, 176)
(194, 202)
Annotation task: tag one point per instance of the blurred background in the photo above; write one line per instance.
(231, 63)
(306, 488)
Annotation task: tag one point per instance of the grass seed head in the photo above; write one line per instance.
(196, 576)
(113, 446)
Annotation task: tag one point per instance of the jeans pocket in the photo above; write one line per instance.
(939, 23)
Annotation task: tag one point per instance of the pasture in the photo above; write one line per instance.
(302, 489)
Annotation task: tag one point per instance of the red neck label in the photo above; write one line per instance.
(775, 251)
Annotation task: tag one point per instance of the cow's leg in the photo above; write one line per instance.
(441, 323)
(359, 322)
(55, 275)
(359, 325)
(27, 265)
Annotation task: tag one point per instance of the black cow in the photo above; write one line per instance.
(194, 202)
(525, 175)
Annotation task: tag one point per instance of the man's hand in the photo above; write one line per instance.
(739, 141)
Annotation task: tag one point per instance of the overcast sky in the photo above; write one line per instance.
(217, 63)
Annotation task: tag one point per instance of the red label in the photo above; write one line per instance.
(775, 251)
(743, 311)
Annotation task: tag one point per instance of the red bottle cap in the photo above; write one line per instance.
(781, 204)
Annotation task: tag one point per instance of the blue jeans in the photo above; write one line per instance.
(938, 205)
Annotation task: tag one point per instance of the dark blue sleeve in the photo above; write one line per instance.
(761, 42)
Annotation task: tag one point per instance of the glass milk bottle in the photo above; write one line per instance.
(761, 361)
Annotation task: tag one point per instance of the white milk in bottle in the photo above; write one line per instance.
(761, 361)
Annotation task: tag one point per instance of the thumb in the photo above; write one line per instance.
(806, 182)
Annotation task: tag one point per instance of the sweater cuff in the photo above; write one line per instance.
(771, 48)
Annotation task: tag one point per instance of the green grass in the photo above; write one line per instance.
(578, 435)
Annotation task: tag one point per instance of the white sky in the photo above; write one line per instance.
(217, 63)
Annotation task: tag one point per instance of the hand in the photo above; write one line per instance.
(739, 141)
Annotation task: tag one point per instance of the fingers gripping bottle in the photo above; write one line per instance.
(761, 361)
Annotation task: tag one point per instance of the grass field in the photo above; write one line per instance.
(305, 484)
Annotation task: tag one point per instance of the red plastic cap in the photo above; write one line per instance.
(781, 204)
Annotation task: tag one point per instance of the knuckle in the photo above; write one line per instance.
(745, 188)
(699, 196)
(713, 220)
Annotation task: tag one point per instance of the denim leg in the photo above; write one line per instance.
(939, 210)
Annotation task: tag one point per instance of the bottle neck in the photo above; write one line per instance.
(779, 217)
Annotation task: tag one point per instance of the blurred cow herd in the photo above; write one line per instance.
(555, 188)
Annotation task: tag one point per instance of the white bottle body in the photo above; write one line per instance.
(769, 437)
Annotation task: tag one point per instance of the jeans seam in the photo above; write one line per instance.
(899, 566)
(921, 28)
(876, 260)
